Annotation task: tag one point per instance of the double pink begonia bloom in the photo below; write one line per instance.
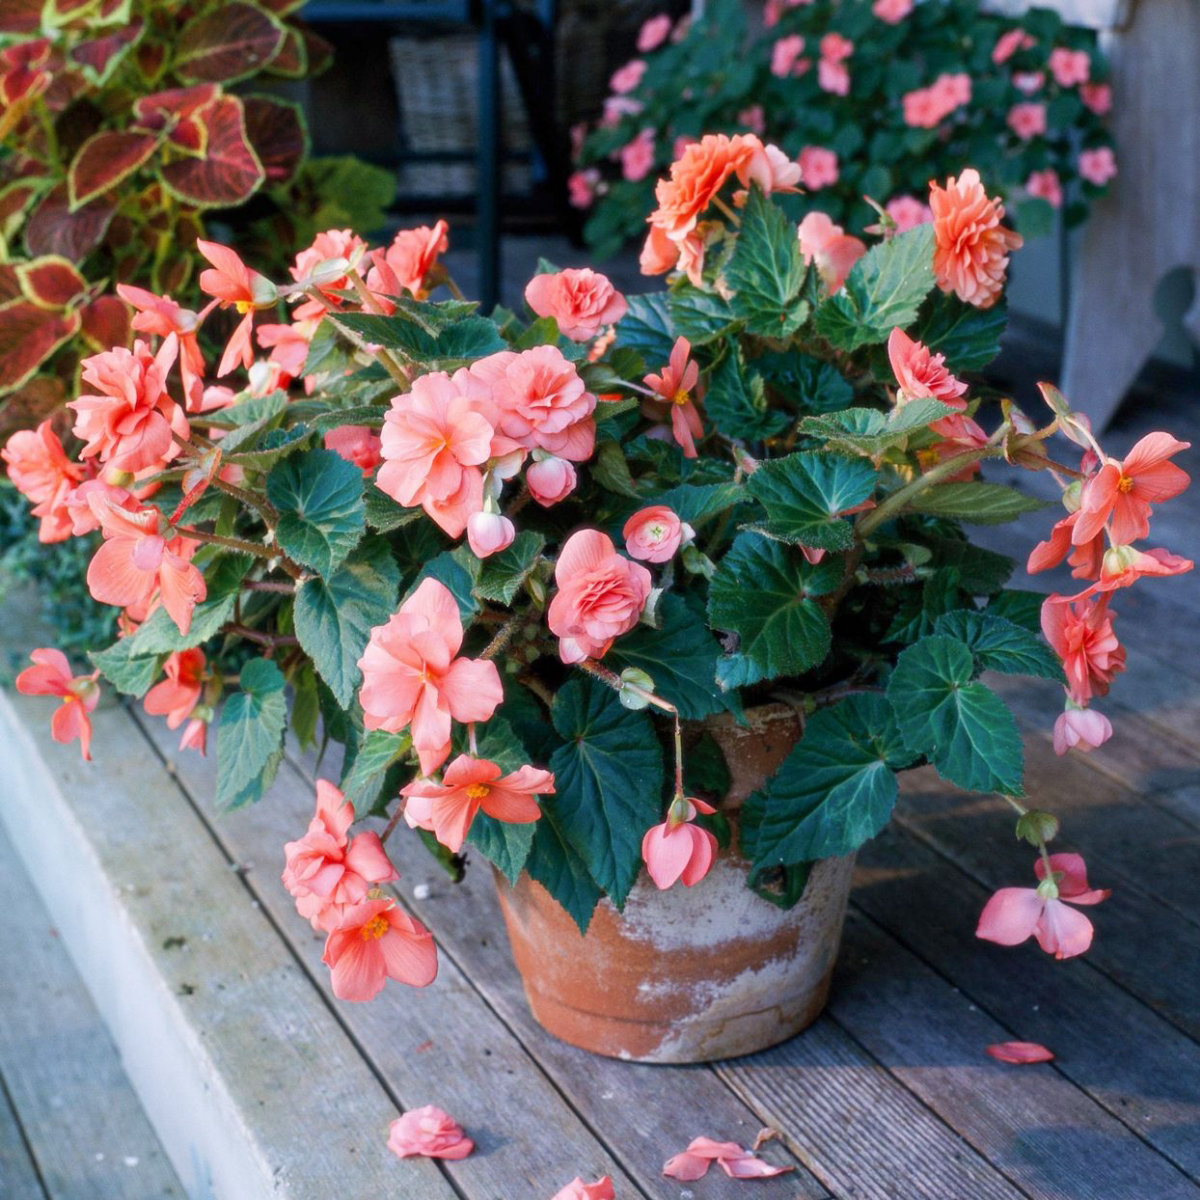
(430, 1133)
(829, 247)
(735, 1161)
(581, 301)
(411, 676)
(40, 470)
(131, 422)
(920, 374)
(1013, 915)
(1081, 634)
(177, 696)
(51, 676)
(678, 848)
(327, 872)
(447, 809)
(653, 534)
(600, 596)
(375, 942)
(972, 248)
(602, 1189)
(407, 265)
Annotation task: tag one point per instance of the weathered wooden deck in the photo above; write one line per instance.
(234, 1041)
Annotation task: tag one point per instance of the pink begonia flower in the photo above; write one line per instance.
(1027, 120)
(489, 533)
(653, 534)
(331, 250)
(1082, 727)
(176, 696)
(358, 444)
(637, 156)
(770, 169)
(1097, 97)
(1070, 67)
(160, 315)
(908, 212)
(430, 1133)
(1123, 566)
(136, 560)
(51, 676)
(131, 424)
(600, 596)
(234, 284)
(1014, 914)
(378, 941)
(819, 167)
(920, 374)
(678, 848)
(1046, 186)
(833, 77)
(892, 12)
(602, 1189)
(829, 247)
(1098, 166)
(550, 480)
(785, 53)
(581, 187)
(835, 48)
(407, 265)
(958, 433)
(735, 1161)
(1028, 82)
(1121, 493)
(626, 78)
(195, 736)
(40, 470)
(753, 118)
(289, 346)
(580, 300)
(675, 385)
(328, 873)
(412, 677)
(616, 107)
(468, 784)
(653, 33)
(1020, 1053)
(540, 401)
(1009, 43)
(971, 251)
(434, 439)
(1086, 560)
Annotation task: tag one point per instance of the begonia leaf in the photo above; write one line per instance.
(318, 496)
(250, 735)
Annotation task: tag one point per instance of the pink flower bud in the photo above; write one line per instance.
(489, 533)
(1081, 727)
(550, 480)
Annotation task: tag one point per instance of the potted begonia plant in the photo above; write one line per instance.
(677, 581)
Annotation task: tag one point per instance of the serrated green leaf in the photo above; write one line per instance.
(884, 289)
(379, 753)
(609, 776)
(266, 450)
(501, 575)
(701, 317)
(132, 674)
(250, 734)
(976, 503)
(459, 570)
(647, 329)
(960, 725)
(371, 415)
(804, 493)
(248, 412)
(319, 498)
(807, 382)
(611, 471)
(1022, 608)
(967, 336)
(223, 576)
(385, 514)
(940, 593)
(766, 593)
(695, 503)
(766, 270)
(554, 864)
(334, 617)
(736, 402)
(467, 338)
(869, 431)
(1000, 645)
(305, 707)
(981, 571)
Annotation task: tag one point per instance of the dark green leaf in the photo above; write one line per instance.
(766, 270)
(611, 471)
(385, 514)
(458, 569)
(999, 645)
(701, 317)
(305, 706)
(264, 451)
(804, 493)
(251, 411)
(1020, 607)
(807, 382)
(319, 500)
(869, 431)
(969, 337)
(250, 734)
(977, 503)
(647, 328)
(695, 503)
(736, 402)
(501, 575)
(129, 672)
(470, 337)
(375, 768)
(559, 869)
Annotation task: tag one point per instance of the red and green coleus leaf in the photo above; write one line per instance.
(53, 228)
(16, 199)
(231, 42)
(100, 57)
(20, 16)
(276, 130)
(291, 62)
(29, 335)
(106, 323)
(160, 109)
(57, 13)
(105, 160)
(50, 282)
(230, 173)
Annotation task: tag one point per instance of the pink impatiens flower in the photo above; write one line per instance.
(430, 1133)
(1098, 166)
(600, 596)
(694, 1162)
(637, 159)
(469, 784)
(1070, 67)
(785, 55)
(908, 212)
(1014, 914)
(326, 871)
(40, 470)
(581, 301)
(375, 942)
(626, 78)
(653, 534)
(602, 1189)
(818, 167)
(412, 677)
(920, 374)
(51, 676)
(1009, 43)
(678, 848)
(1027, 120)
(1097, 97)
(892, 12)
(653, 33)
(1046, 185)
(675, 385)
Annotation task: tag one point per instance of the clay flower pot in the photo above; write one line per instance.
(689, 974)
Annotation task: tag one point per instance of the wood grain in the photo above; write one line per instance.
(18, 1176)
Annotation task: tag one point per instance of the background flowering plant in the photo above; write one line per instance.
(872, 98)
(512, 564)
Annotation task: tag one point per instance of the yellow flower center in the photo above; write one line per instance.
(374, 929)
(1125, 485)
(243, 306)
(477, 791)
(681, 397)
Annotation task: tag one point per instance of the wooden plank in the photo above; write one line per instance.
(236, 1059)
(1140, 1068)
(439, 1045)
(59, 1063)
(860, 1132)
(18, 1175)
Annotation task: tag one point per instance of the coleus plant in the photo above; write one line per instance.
(872, 97)
(121, 133)
(513, 564)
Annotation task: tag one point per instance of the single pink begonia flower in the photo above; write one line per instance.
(430, 1133)
(600, 596)
(1014, 914)
(1020, 1052)
(737, 1162)
(679, 377)
(51, 676)
(828, 246)
(1123, 566)
(770, 169)
(235, 285)
(40, 470)
(678, 848)
(920, 374)
(581, 301)
(550, 480)
(602, 1189)
(1085, 559)
(653, 534)
(447, 809)
(176, 696)
(1084, 728)
(411, 675)
(378, 941)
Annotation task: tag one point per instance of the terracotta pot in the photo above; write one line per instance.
(689, 974)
